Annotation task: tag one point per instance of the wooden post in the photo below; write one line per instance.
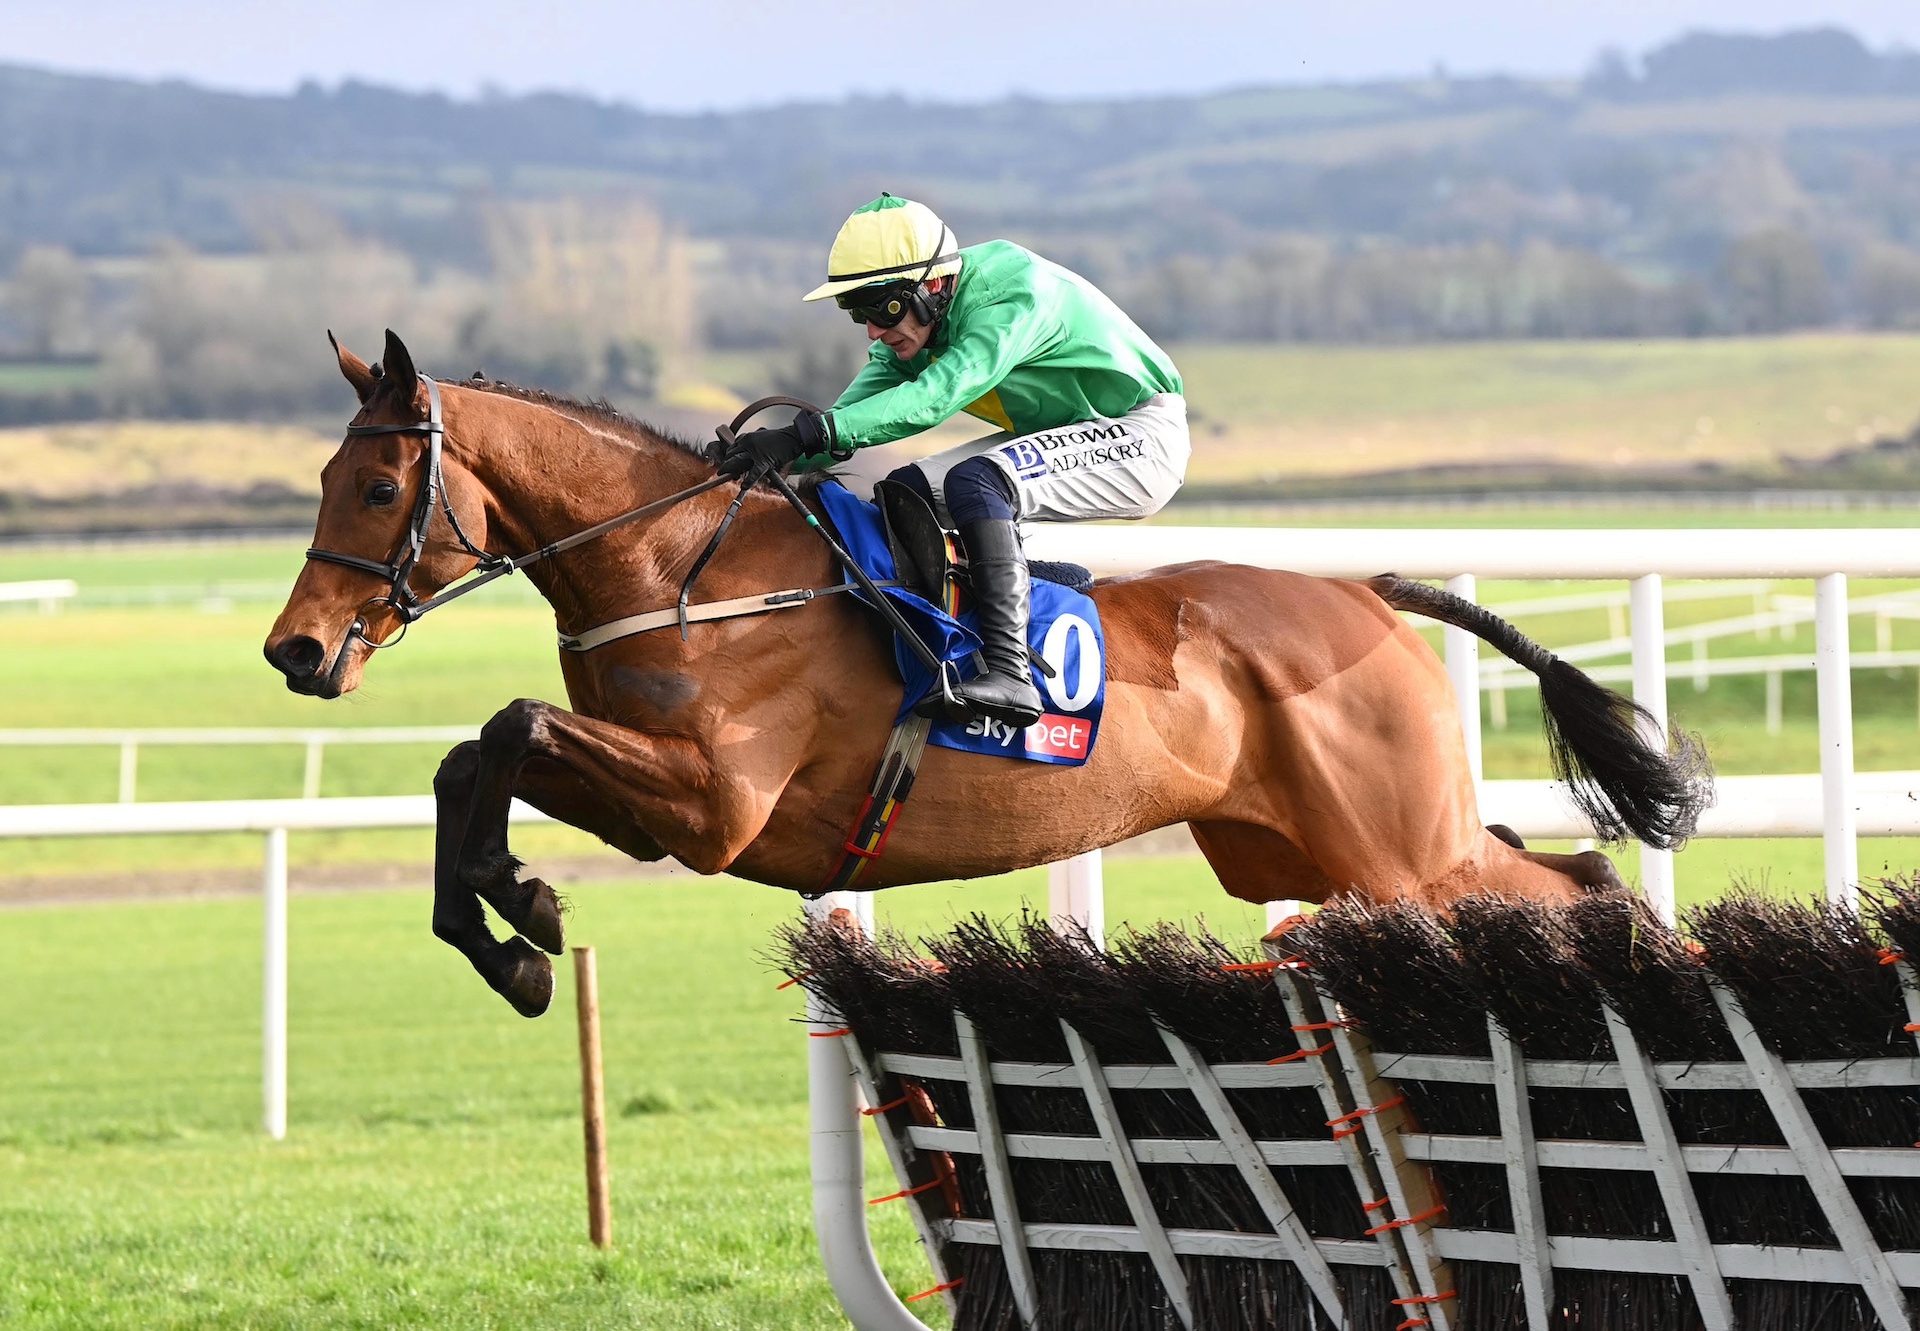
(593, 1098)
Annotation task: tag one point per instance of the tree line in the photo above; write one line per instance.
(596, 300)
(602, 301)
(1305, 289)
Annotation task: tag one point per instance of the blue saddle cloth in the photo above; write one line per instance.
(1064, 630)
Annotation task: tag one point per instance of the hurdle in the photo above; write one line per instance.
(1847, 800)
(1515, 1117)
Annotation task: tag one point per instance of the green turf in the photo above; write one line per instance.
(38, 378)
(1262, 411)
(1604, 517)
(432, 1173)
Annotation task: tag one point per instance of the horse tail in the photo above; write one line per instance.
(1617, 778)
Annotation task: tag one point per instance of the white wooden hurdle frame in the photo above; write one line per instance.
(1884, 805)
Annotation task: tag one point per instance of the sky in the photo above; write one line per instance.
(719, 54)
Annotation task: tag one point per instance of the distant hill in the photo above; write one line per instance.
(1722, 183)
(108, 166)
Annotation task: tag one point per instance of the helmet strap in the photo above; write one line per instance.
(930, 307)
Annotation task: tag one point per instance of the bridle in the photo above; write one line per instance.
(399, 597)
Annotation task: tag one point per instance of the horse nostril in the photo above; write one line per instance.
(297, 656)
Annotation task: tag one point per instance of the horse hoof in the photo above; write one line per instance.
(540, 920)
(526, 978)
(1501, 832)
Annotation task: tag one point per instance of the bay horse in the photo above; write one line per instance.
(1302, 730)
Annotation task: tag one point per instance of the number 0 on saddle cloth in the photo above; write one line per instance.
(1065, 631)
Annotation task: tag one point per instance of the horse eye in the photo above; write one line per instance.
(382, 493)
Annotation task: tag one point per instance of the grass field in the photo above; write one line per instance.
(1331, 410)
(110, 457)
(45, 377)
(1265, 411)
(432, 1177)
(1258, 412)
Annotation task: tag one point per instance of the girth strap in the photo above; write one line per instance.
(759, 603)
(892, 783)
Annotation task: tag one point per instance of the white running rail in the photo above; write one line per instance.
(49, 592)
(313, 741)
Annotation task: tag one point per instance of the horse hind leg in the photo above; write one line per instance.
(1257, 864)
(1589, 869)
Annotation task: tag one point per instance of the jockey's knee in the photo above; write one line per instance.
(978, 491)
(914, 479)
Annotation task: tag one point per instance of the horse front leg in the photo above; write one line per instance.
(646, 795)
(530, 905)
(512, 969)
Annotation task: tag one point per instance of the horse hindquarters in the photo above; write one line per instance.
(1258, 864)
(1352, 774)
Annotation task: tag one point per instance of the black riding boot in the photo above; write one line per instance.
(998, 568)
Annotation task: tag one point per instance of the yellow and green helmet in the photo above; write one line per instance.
(888, 240)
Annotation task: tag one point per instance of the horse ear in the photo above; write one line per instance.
(354, 370)
(397, 368)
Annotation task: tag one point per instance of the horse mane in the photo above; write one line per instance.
(595, 409)
(600, 410)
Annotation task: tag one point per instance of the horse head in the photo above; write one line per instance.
(400, 519)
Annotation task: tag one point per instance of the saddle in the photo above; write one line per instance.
(923, 550)
(922, 579)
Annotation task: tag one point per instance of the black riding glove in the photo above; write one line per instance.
(778, 445)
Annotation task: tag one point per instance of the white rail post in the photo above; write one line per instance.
(273, 1008)
(1278, 912)
(1077, 894)
(1463, 668)
(1834, 680)
(839, 1173)
(1774, 702)
(310, 777)
(1650, 691)
(129, 769)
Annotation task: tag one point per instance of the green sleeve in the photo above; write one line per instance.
(880, 373)
(997, 337)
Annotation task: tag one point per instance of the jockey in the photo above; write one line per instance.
(1091, 419)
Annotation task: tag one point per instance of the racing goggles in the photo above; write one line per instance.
(883, 304)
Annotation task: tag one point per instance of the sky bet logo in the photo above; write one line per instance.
(1054, 736)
